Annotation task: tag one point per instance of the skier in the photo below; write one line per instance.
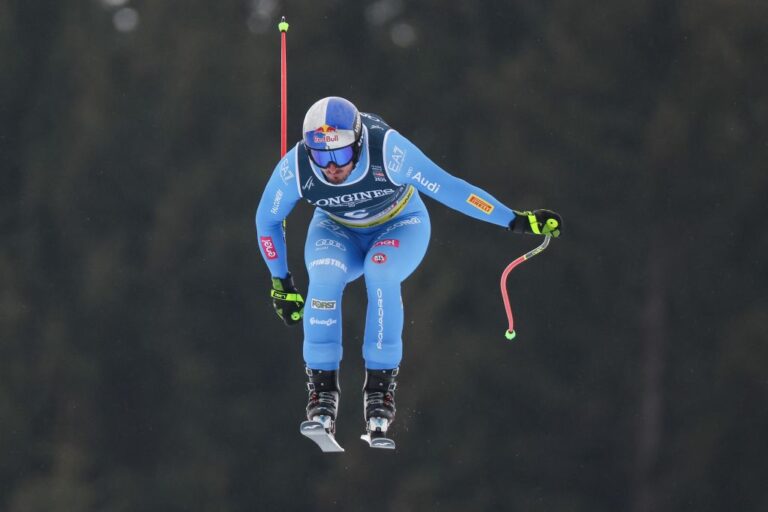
(365, 180)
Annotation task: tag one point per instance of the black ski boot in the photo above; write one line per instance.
(323, 387)
(379, 398)
(322, 408)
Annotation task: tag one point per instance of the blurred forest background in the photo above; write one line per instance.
(143, 369)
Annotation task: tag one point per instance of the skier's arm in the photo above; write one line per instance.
(279, 197)
(407, 164)
(277, 201)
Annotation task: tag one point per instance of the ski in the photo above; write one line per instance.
(321, 434)
(376, 434)
(377, 440)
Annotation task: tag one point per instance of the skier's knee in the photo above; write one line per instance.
(322, 354)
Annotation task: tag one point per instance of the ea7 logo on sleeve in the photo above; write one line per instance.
(285, 172)
(396, 160)
(269, 247)
(480, 204)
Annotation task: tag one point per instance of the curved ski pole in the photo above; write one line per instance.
(510, 334)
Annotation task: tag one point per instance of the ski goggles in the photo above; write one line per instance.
(340, 157)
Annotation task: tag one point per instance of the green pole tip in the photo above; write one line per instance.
(283, 26)
(510, 335)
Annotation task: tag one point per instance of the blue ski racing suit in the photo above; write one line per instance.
(374, 224)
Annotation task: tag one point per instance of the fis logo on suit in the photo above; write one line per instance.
(370, 116)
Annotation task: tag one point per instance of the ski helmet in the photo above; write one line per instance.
(333, 132)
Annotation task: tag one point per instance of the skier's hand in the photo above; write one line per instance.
(537, 222)
(288, 302)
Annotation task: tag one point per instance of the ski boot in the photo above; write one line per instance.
(322, 406)
(379, 401)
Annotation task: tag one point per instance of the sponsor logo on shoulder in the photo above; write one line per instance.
(323, 304)
(396, 159)
(309, 184)
(285, 172)
(481, 204)
(432, 186)
(269, 247)
(276, 201)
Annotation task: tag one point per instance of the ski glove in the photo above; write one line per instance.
(286, 299)
(537, 222)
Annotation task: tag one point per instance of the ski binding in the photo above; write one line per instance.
(376, 435)
(320, 429)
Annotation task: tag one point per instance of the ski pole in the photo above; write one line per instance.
(510, 334)
(283, 27)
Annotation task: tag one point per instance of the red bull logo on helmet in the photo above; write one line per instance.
(331, 123)
(321, 135)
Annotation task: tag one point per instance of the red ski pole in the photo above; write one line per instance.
(510, 334)
(283, 27)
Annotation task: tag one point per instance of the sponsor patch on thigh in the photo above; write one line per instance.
(388, 242)
(323, 304)
(379, 258)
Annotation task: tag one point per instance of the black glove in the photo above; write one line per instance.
(288, 302)
(537, 222)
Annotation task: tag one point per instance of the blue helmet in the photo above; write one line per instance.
(333, 132)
